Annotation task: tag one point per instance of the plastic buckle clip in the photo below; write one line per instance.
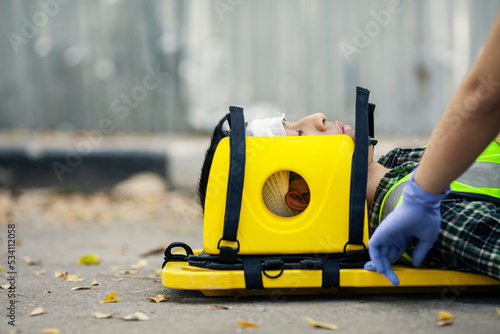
(357, 255)
(228, 254)
(310, 264)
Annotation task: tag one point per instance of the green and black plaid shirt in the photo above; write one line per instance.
(469, 238)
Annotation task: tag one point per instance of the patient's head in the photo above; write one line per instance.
(285, 193)
(316, 125)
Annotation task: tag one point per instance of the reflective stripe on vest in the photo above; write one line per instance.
(481, 181)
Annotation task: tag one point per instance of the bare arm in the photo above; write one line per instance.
(469, 123)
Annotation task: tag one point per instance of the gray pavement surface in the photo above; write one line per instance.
(57, 245)
(56, 232)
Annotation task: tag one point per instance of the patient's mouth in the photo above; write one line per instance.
(346, 128)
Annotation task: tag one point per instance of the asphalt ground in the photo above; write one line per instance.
(53, 229)
(46, 245)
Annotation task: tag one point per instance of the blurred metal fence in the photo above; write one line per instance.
(165, 66)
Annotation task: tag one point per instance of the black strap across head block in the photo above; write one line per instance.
(237, 152)
(359, 168)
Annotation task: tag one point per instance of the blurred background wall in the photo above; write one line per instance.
(175, 66)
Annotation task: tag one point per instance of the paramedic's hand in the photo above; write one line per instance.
(418, 216)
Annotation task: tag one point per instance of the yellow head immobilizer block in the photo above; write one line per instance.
(325, 164)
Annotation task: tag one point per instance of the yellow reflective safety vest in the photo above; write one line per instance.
(481, 182)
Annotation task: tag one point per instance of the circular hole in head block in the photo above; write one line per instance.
(286, 193)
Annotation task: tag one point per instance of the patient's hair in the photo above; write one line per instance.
(218, 134)
(294, 176)
(260, 128)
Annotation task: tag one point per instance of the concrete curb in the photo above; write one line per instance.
(72, 163)
(95, 171)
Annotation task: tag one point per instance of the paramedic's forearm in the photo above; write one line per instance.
(470, 122)
(450, 153)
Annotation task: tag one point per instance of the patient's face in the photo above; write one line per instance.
(317, 124)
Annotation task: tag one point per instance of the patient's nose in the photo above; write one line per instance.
(319, 121)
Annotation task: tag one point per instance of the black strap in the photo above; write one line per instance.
(237, 153)
(331, 274)
(253, 273)
(371, 111)
(359, 169)
(176, 257)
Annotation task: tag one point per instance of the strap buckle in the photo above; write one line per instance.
(228, 254)
(310, 264)
(356, 255)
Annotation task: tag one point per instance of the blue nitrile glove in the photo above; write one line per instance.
(418, 216)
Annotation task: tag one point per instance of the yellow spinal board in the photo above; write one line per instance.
(308, 253)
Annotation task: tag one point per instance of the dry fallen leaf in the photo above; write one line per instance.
(117, 279)
(94, 282)
(139, 265)
(73, 278)
(110, 298)
(158, 298)
(498, 311)
(1, 268)
(317, 324)
(158, 250)
(137, 316)
(39, 272)
(30, 262)
(100, 315)
(60, 274)
(219, 307)
(36, 311)
(246, 324)
(89, 259)
(5, 286)
(158, 272)
(444, 318)
(51, 331)
(80, 288)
